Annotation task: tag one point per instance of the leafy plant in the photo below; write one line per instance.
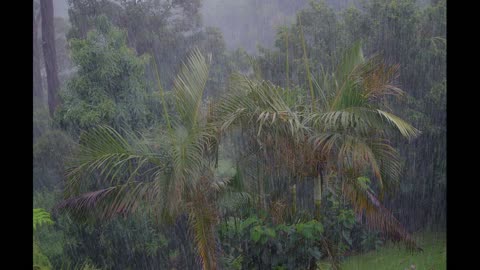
(268, 246)
(371, 241)
(41, 217)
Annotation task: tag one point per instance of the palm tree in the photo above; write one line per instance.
(350, 133)
(172, 174)
(267, 118)
(342, 136)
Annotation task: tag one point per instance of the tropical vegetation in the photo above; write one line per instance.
(169, 151)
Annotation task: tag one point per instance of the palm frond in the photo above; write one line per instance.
(259, 103)
(107, 154)
(189, 86)
(352, 57)
(305, 61)
(362, 85)
(405, 129)
(358, 192)
(108, 202)
(361, 154)
(362, 121)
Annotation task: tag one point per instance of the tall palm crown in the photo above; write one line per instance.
(337, 137)
(172, 174)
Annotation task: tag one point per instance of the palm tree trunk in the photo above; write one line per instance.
(202, 218)
(261, 187)
(317, 195)
(317, 192)
(294, 199)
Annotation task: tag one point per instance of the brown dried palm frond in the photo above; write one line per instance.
(278, 211)
(365, 203)
(109, 202)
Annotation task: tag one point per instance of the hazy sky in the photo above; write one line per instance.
(60, 8)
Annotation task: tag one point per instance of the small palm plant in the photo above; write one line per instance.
(173, 174)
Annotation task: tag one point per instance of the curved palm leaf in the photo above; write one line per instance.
(258, 103)
(108, 155)
(189, 86)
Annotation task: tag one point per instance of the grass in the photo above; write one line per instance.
(393, 256)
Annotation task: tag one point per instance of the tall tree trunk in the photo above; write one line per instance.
(49, 54)
(37, 76)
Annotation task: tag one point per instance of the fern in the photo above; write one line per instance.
(40, 216)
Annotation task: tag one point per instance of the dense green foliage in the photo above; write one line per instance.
(40, 217)
(170, 152)
(265, 246)
(109, 85)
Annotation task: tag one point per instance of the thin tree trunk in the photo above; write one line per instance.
(49, 54)
(294, 199)
(261, 186)
(317, 192)
(317, 195)
(37, 76)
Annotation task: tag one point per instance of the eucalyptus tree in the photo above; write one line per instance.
(49, 54)
(173, 174)
(37, 75)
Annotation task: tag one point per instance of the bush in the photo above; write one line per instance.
(255, 244)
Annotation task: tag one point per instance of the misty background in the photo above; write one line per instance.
(244, 23)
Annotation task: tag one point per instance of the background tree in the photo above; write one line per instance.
(164, 29)
(49, 54)
(108, 87)
(37, 76)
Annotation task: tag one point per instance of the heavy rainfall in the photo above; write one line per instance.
(239, 134)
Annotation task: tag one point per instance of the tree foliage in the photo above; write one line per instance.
(108, 87)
